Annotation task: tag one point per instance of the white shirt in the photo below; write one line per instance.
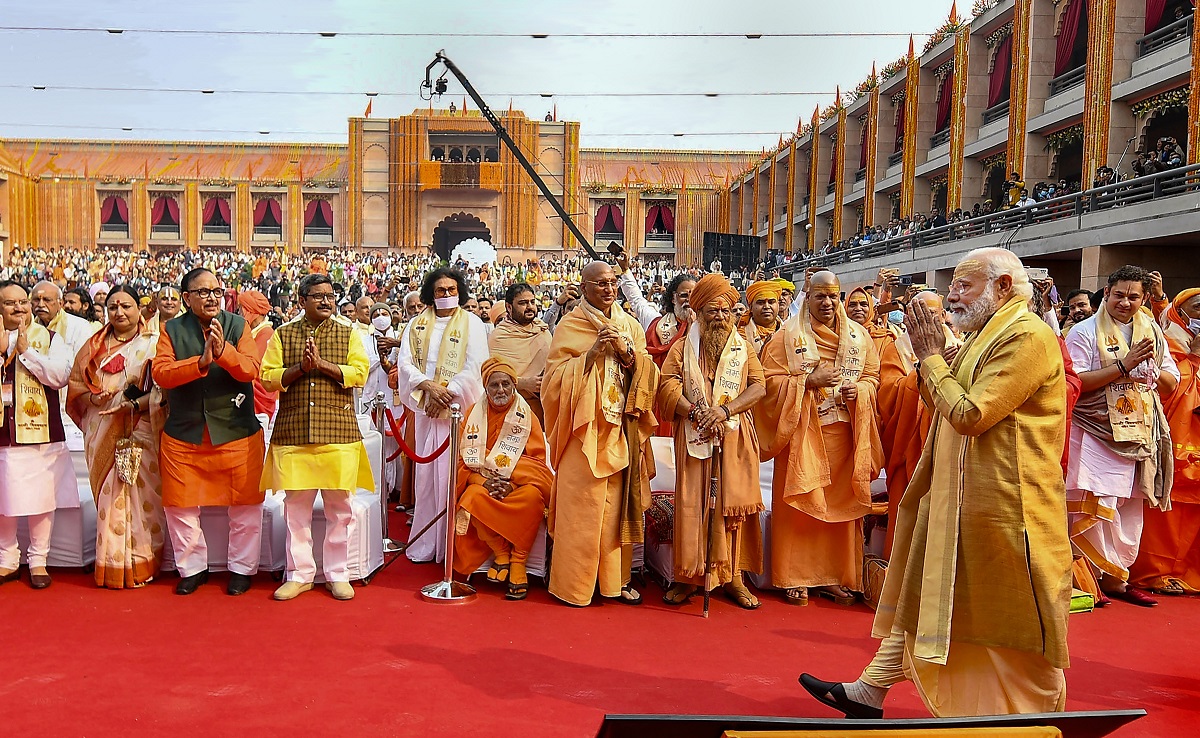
(467, 385)
(642, 309)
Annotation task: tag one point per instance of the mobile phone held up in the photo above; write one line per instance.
(615, 249)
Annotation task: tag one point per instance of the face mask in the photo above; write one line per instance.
(445, 303)
(1194, 326)
(381, 322)
(896, 317)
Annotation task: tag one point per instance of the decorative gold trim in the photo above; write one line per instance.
(1018, 103)
(958, 119)
(1097, 90)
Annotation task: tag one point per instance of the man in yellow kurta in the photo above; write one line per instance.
(523, 340)
(710, 380)
(819, 424)
(599, 396)
(314, 362)
(974, 607)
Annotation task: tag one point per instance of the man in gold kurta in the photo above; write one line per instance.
(710, 380)
(523, 340)
(314, 362)
(599, 396)
(974, 607)
(819, 424)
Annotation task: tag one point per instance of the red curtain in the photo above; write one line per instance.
(660, 214)
(210, 207)
(862, 151)
(310, 212)
(607, 212)
(276, 211)
(1154, 14)
(1072, 18)
(223, 208)
(268, 206)
(998, 84)
(326, 212)
(165, 211)
(111, 204)
(216, 206)
(260, 211)
(900, 126)
(945, 98)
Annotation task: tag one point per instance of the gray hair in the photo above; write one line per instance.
(45, 283)
(998, 262)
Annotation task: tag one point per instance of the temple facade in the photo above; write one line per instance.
(422, 181)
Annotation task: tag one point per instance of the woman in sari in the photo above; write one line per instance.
(111, 398)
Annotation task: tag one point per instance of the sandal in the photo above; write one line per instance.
(797, 596)
(679, 593)
(839, 595)
(497, 573)
(1170, 586)
(629, 596)
(742, 596)
(517, 591)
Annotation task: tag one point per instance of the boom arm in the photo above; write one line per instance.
(491, 118)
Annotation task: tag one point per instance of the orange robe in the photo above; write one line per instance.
(658, 350)
(822, 485)
(516, 517)
(265, 403)
(904, 422)
(1170, 548)
(208, 475)
(736, 534)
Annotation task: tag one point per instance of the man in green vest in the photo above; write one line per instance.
(212, 448)
(315, 362)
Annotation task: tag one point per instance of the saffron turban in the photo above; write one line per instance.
(493, 365)
(253, 303)
(763, 290)
(97, 289)
(785, 285)
(712, 287)
(1184, 296)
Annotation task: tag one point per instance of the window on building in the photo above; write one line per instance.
(216, 221)
(164, 218)
(318, 221)
(660, 223)
(114, 217)
(268, 219)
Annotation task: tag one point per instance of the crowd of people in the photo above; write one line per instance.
(1028, 444)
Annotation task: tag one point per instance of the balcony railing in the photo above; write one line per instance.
(267, 233)
(1165, 36)
(894, 159)
(114, 230)
(995, 113)
(318, 233)
(605, 238)
(1067, 80)
(222, 232)
(164, 231)
(659, 242)
(1170, 183)
(860, 175)
(939, 138)
(831, 188)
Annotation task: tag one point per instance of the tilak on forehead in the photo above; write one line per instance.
(825, 282)
(968, 267)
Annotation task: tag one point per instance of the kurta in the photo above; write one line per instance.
(340, 466)
(265, 401)
(822, 484)
(736, 533)
(430, 480)
(903, 426)
(590, 455)
(1170, 550)
(526, 348)
(199, 475)
(517, 517)
(980, 575)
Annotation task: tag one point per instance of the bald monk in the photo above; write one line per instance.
(1169, 559)
(503, 482)
(710, 380)
(765, 308)
(903, 418)
(599, 397)
(819, 424)
(523, 340)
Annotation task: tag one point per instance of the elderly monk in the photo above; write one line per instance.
(904, 419)
(1120, 447)
(819, 425)
(974, 607)
(1169, 559)
(523, 340)
(763, 321)
(599, 397)
(253, 306)
(710, 380)
(503, 482)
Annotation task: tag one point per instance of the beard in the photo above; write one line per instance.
(976, 315)
(713, 337)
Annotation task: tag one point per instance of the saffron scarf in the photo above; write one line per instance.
(31, 410)
(727, 385)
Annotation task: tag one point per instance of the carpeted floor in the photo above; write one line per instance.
(82, 661)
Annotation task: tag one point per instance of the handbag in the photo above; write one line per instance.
(128, 455)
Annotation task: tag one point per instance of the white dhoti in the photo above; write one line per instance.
(1105, 517)
(30, 477)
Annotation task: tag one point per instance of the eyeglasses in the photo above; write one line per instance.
(15, 303)
(321, 297)
(609, 284)
(206, 294)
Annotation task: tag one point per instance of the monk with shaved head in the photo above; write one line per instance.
(819, 424)
(598, 394)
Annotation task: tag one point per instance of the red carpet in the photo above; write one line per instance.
(82, 661)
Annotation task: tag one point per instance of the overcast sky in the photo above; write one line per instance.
(517, 67)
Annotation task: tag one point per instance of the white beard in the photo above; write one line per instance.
(977, 314)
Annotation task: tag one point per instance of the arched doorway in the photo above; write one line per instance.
(456, 229)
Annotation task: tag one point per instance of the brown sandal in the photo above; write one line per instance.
(845, 597)
(497, 573)
(797, 596)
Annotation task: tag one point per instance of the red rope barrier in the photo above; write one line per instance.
(399, 436)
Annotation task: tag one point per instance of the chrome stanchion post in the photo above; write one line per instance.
(378, 406)
(449, 590)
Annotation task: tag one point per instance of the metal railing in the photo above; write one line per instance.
(1169, 183)
(164, 231)
(860, 175)
(1165, 36)
(1067, 80)
(218, 231)
(895, 158)
(114, 230)
(939, 138)
(831, 188)
(318, 233)
(268, 231)
(995, 113)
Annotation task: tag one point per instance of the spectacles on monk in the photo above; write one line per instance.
(609, 284)
(207, 294)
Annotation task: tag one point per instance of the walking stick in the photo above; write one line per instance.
(710, 509)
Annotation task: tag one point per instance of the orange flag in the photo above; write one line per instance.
(367, 112)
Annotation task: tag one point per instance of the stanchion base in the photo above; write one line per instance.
(392, 546)
(448, 592)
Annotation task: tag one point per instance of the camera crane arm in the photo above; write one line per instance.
(439, 87)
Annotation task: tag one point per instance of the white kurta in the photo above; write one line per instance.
(377, 381)
(1094, 471)
(76, 333)
(430, 480)
(30, 475)
(645, 311)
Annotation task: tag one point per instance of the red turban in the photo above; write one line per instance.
(253, 303)
(712, 287)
